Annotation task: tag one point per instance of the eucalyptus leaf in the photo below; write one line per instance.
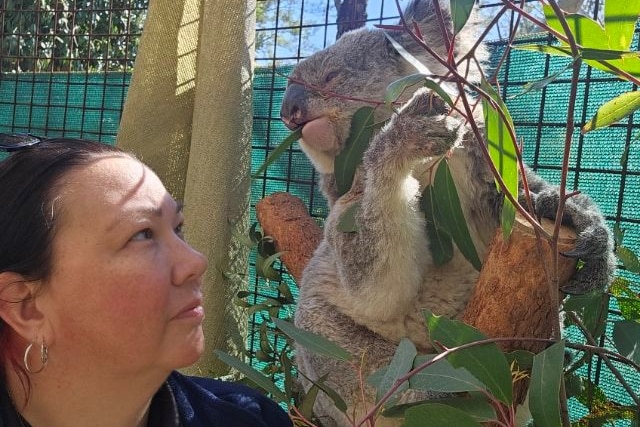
(396, 88)
(503, 152)
(264, 267)
(628, 300)
(245, 240)
(522, 358)
(337, 400)
(620, 22)
(443, 377)
(265, 345)
(347, 222)
(603, 60)
(285, 293)
(544, 388)
(629, 259)
(350, 158)
(614, 110)
(618, 234)
(460, 13)
(258, 378)
(586, 54)
(473, 404)
(434, 86)
(312, 342)
(438, 415)
(591, 308)
(586, 31)
(626, 338)
(542, 83)
(485, 362)
(287, 370)
(254, 234)
(401, 363)
(450, 216)
(440, 242)
(306, 407)
(279, 150)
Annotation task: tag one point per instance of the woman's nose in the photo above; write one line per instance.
(189, 265)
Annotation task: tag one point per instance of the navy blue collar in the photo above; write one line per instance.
(163, 411)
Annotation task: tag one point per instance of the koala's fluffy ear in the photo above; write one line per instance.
(423, 13)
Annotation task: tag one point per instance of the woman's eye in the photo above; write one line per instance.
(145, 234)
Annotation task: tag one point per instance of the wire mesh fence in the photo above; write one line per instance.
(66, 65)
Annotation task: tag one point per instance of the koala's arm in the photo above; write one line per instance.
(384, 262)
(594, 243)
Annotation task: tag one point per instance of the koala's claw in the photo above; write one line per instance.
(592, 242)
(593, 275)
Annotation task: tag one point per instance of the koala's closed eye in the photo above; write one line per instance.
(330, 76)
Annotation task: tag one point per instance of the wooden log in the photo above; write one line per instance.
(511, 297)
(286, 219)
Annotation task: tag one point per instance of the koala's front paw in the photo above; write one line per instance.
(420, 129)
(594, 243)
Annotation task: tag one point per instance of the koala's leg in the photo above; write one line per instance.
(383, 264)
(594, 244)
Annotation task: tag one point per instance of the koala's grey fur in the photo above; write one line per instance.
(365, 290)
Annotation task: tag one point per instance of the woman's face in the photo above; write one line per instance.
(125, 291)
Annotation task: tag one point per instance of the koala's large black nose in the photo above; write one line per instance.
(293, 111)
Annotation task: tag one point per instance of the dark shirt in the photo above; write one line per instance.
(184, 401)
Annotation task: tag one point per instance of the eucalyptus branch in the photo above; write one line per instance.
(605, 359)
(553, 286)
(461, 81)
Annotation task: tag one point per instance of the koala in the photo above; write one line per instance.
(366, 290)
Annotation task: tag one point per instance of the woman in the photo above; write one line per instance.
(100, 297)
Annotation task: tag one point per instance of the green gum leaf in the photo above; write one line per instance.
(258, 378)
(503, 152)
(396, 88)
(485, 362)
(628, 300)
(620, 22)
(401, 363)
(439, 416)
(275, 154)
(434, 86)
(614, 110)
(450, 216)
(440, 243)
(542, 83)
(350, 157)
(626, 338)
(443, 377)
(544, 389)
(460, 13)
(586, 31)
(312, 342)
(629, 259)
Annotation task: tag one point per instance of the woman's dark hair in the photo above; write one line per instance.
(29, 181)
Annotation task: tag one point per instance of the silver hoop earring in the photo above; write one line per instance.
(44, 358)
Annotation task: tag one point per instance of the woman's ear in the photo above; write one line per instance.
(17, 305)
